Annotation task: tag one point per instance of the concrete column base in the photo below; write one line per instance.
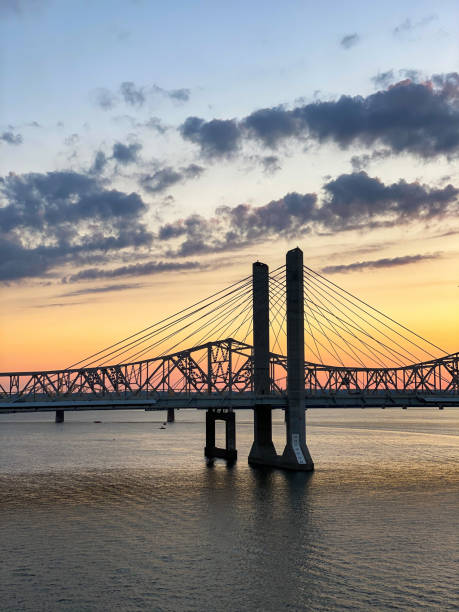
(263, 454)
(296, 455)
(211, 451)
(170, 415)
(281, 463)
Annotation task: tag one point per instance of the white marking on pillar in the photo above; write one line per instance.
(297, 448)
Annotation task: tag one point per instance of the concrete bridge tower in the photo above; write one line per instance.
(296, 454)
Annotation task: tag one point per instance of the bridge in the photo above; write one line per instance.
(246, 349)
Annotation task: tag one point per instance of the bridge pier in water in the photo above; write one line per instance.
(60, 416)
(211, 451)
(262, 451)
(170, 415)
(296, 454)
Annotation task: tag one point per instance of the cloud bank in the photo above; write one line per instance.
(375, 264)
(53, 219)
(409, 117)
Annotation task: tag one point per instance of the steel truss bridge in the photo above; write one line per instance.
(249, 346)
(220, 374)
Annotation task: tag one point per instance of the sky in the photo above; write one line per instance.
(151, 151)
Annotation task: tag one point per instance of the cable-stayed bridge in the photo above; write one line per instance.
(288, 339)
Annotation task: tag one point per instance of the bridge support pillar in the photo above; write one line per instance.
(262, 451)
(170, 415)
(60, 416)
(296, 454)
(211, 451)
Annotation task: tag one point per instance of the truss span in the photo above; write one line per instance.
(222, 371)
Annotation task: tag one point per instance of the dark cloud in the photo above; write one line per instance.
(100, 161)
(379, 263)
(106, 289)
(271, 164)
(11, 138)
(359, 162)
(163, 178)
(179, 95)
(132, 95)
(349, 40)
(351, 202)
(51, 220)
(407, 26)
(234, 228)
(126, 154)
(383, 79)
(155, 123)
(271, 125)
(137, 95)
(417, 118)
(217, 138)
(48, 220)
(358, 201)
(149, 268)
(391, 77)
(105, 98)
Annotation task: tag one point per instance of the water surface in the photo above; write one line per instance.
(124, 515)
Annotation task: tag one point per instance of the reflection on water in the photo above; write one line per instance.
(123, 515)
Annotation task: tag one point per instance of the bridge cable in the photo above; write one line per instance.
(317, 293)
(322, 278)
(234, 285)
(174, 333)
(137, 342)
(378, 341)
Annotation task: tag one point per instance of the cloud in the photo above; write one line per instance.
(163, 178)
(71, 140)
(349, 40)
(359, 162)
(154, 123)
(149, 268)
(407, 26)
(383, 79)
(240, 226)
(179, 95)
(217, 138)
(350, 202)
(357, 200)
(50, 219)
(106, 289)
(270, 164)
(379, 263)
(11, 138)
(56, 305)
(137, 95)
(408, 117)
(126, 154)
(132, 95)
(100, 161)
(105, 98)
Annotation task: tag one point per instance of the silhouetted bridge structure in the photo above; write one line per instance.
(236, 359)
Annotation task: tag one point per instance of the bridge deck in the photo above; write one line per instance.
(244, 401)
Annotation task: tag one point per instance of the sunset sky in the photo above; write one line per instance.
(151, 151)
